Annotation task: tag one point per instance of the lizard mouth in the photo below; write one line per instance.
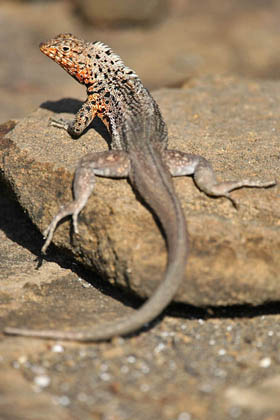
(43, 47)
(48, 51)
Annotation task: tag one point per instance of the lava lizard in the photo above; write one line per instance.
(139, 152)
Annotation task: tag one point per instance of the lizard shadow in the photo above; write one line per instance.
(18, 227)
(64, 105)
(20, 230)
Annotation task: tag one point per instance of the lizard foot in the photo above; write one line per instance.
(68, 210)
(224, 188)
(60, 123)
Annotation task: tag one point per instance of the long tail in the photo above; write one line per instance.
(152, 180)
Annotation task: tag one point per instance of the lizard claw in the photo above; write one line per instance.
(47, 235)
(233, 201)
(75, 223)
(59, 123)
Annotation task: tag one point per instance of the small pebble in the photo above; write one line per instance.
(145, 387)
(159, 347)
(82, 397)
(265, 362)
(22, 359)
(63, 400)
(235, 412)
(144, 367)
(57, 348)
(184, 416)
(124, 369)
(42, 381)
(105, 376)
(207, 388)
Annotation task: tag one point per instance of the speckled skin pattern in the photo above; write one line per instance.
(139, 152)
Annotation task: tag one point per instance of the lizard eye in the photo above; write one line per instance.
(65, 49)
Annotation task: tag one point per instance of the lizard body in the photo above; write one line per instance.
(139, 152)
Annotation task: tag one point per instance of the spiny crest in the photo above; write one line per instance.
(106, 52)
(66, 36)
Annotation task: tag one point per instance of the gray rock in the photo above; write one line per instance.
(234, 255)
(122, 12)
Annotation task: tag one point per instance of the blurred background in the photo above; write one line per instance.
(169, 43)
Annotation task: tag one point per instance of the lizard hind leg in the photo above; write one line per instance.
(112, 164)
(180, 164)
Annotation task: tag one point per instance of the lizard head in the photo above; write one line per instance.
(70, 53)
(87, 62)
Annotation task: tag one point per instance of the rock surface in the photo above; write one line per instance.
(234, 257)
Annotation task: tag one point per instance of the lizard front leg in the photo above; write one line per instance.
(82, 119)
(111, 164)
(180, 163)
